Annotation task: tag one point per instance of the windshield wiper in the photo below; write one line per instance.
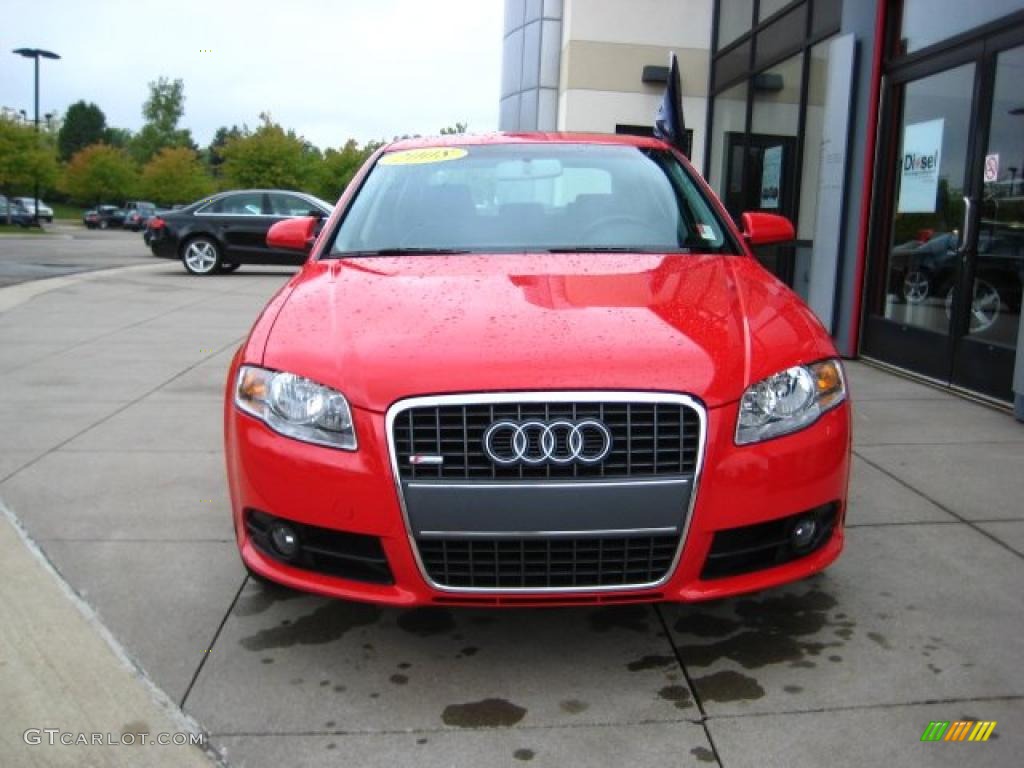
(615, 249)
(404, 252)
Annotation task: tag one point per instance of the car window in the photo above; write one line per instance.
(282, 204)
(242, 204)
(514, 197)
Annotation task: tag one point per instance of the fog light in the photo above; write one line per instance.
(285, 540)
(802, 535)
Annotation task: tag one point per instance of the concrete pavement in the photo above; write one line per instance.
(32, 256)
(110, 456)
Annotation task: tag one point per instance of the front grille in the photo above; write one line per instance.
(545, 563)
(648, 439)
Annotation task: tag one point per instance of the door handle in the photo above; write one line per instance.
(965, 233)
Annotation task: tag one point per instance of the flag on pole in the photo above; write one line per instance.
(669, 124)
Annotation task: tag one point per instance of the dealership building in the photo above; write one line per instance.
(891, 132)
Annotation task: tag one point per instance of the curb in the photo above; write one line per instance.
(159, 699)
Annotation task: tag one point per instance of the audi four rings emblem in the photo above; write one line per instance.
(559, 441)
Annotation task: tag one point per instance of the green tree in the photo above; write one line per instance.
(214, 156)
(117, 137)
(453, 129)
(25, 159)
(270, 157)
(84, 124)
(99, 174)
(162, 111)
(166, 104)
(339, 166)
(175, 175)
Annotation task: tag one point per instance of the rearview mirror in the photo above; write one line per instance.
(767, 228)
(529, 170)
(297, 234)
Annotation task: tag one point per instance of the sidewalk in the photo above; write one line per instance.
(60, 668)
(110, 456)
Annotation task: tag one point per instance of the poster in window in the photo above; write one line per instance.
(919, 169)
(771, 174)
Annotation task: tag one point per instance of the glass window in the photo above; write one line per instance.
(729, 122)
(282, 204)
(999, 270)
(533, 197)
(928, 198)
(775, 122)
(826, 16)
(733, 64)
(783, 36)
(930, 21)
(768, 7)
(244, 204)
(735, 18)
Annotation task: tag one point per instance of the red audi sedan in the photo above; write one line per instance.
(535, 369)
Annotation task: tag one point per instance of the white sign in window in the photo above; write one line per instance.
(919, 166)
(771, 175)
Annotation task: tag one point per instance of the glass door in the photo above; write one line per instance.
(909, 323)
(947, 263)
(989, 310)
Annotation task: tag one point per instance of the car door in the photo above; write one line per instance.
(287, 205)
(239, 222)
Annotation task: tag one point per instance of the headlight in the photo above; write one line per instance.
(789, 401)
(296, 407)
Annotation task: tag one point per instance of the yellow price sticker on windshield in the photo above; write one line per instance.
(425, 155)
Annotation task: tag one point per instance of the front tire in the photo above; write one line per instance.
(201, 256)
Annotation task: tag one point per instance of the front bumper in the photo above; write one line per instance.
(356, 493)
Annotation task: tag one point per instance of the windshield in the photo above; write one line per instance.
(529, 197)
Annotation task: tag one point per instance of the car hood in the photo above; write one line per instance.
(379, 329)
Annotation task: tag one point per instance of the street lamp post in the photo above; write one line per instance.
(36, 54)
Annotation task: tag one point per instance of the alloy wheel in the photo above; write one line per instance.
(916, 287)
(201, 256)
(985, 306)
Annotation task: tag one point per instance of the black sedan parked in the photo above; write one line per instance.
(222, 232)
(103, 217)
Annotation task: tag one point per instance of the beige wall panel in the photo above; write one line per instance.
(667, 23)
(618, 67)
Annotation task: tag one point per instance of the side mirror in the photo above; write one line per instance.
(293, 234)
(767, 228)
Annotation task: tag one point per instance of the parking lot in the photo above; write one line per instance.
(110, 456)
(67, 248)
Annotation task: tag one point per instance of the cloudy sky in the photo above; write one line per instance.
(330, 70)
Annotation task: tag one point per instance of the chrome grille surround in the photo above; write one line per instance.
(558, 396)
